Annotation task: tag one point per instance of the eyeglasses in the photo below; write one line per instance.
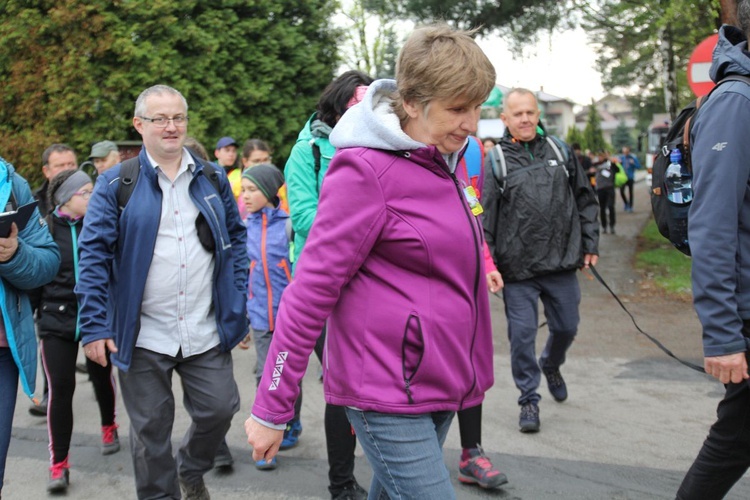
(163, 121)
(85, 194)
(258, 161)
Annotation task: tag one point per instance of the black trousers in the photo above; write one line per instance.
(340, 438)
(725, 455)
(59, 361)
(606, 204)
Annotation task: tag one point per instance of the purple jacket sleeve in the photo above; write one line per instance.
(351, 214)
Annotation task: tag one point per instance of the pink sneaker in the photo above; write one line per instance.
(478, 469)
(59, 477)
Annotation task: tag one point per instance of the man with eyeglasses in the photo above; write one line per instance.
(182, 311)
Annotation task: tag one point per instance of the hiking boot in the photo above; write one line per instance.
(556, 384)
(263, 465)
(82, 368)
(110, 440)
(194, 491)
(351, 491)
(39, 410)
(478, 469)
(291, 435)
(59, 477)
(529, 420)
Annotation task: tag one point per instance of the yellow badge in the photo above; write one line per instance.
(473, 200)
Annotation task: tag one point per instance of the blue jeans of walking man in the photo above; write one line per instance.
(561, 296)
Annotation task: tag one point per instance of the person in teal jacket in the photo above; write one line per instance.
(304, 173)
(29, 258)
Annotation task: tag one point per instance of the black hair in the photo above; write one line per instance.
(254, 145)
(332, 103)
(55, 148)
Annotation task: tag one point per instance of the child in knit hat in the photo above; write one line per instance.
(270, 270)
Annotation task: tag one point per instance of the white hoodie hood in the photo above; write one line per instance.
(371, 123)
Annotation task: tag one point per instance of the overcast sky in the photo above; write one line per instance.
(563, 64)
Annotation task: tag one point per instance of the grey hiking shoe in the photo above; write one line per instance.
(194, 491)
(529, 419)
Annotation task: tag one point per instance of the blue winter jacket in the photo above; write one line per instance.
(719, 217)
(270, 270)
(34, 264)
(116, 253)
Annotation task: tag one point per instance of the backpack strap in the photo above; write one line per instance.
(701, 100)
(210, 172)
(129, 172)
(316, 163)
(561, 151)
(499, 167)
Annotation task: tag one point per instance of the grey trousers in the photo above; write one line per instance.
(561, 296)
(211, 399)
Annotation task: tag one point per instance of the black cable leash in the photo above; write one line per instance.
(651, 338)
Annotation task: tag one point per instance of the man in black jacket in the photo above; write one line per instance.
(55, 159)
(541, 226)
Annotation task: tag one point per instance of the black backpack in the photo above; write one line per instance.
(129, 174)
(671, 219)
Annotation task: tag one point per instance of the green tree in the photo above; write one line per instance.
(593, 137)
(71, 69)
(371, 36)
(576, 136)
(644, 45)
(621, 137)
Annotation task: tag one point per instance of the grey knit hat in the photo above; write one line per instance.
(268, 178)
(70, 186)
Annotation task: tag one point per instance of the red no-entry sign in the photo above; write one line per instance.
(699, 64)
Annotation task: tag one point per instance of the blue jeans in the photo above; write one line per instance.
(405, 453)
(561, 295)
(8, 389)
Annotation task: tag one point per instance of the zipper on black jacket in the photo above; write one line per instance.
(472, 222)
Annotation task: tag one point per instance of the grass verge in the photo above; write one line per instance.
(664, 265)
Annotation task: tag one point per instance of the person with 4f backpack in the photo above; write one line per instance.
(162, 287)
(719, 235)
(541, 226)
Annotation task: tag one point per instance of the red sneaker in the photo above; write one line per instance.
(59, 477)
(110, 440)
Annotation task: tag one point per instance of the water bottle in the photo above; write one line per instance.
(678, 180)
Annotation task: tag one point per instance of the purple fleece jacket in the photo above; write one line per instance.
(394, 263)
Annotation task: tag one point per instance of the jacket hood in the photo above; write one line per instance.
(372, 123)
(730, 55)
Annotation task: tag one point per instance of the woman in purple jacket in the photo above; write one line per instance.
(394, 263)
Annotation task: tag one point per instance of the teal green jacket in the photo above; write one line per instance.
(303, 185)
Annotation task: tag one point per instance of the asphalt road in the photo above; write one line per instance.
(630, 429)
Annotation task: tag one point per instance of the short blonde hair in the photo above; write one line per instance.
(438, 62)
